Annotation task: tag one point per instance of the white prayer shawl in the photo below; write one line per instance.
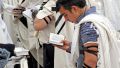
(108, 55)
(61, 57)
(18, 30)
(4, 35)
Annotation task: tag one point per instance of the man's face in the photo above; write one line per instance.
(69, 15)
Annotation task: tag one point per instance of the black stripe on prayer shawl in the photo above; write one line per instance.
(24, 21)
(58, 20)
(22, 1)
(43, 5)
(61, 28)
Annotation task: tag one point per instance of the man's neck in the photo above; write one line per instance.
(81, 12)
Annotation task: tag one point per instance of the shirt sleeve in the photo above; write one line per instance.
(88, 32)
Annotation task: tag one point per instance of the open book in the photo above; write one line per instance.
(56, 39)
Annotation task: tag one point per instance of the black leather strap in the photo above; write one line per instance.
(49, 18)
(91, 51)
(45, 20)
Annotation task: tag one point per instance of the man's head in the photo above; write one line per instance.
(71, 9)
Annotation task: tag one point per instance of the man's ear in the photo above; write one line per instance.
(74, 9)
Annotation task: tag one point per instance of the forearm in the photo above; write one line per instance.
(40, 24)
(90, 58)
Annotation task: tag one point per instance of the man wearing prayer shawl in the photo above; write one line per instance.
(58, 59)
(94, 44)
(20, 29)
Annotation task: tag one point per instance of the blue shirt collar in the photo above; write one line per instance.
(90, 11)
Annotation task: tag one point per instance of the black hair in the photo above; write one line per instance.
(68, 3)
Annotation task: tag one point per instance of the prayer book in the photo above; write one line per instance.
(56, 39)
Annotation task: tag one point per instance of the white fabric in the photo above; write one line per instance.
(18, 30)
(8, 7)
(61, 61)
(50, 4)
(1, 6)
(57, 28)
(75, 45)
(8, 17)
(33, 43)
(30, 4)
(109, 8)
(107, 42)
(30, 41)
(43, 36)
(4, 35)
(112, 11)
(46, 9)
(23, 63)
(61, 57)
